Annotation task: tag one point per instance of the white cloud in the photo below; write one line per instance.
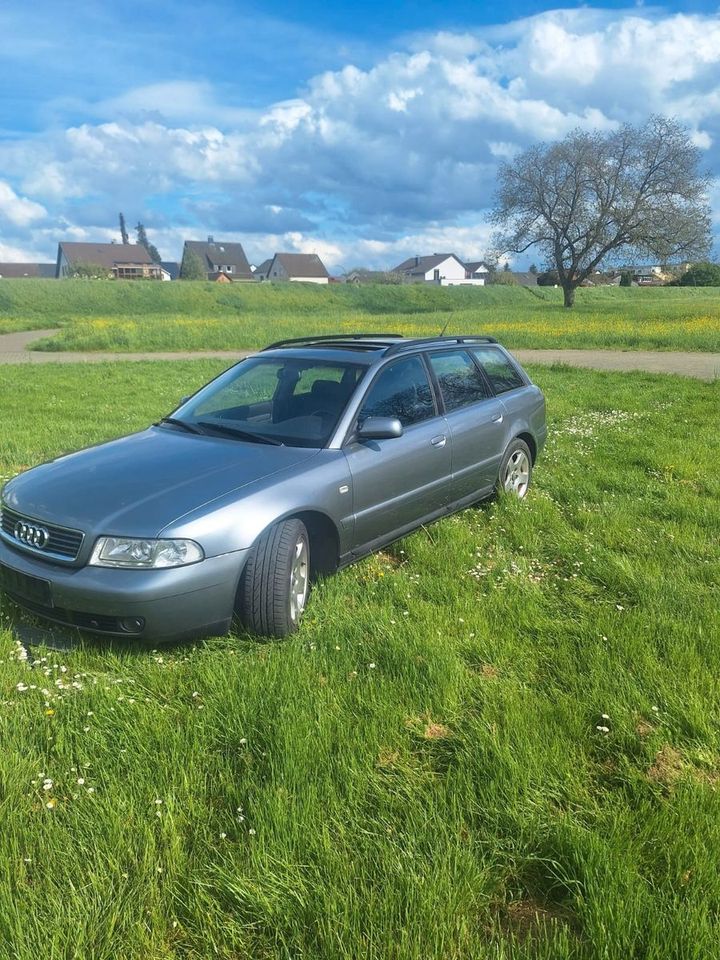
(20, 211)
(557, 52)
(16, 254)
(372, 156)
(469, 242)
(502, 149)
(184, 101)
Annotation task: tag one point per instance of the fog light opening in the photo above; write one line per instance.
(132, 624)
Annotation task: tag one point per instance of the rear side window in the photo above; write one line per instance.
(402, 390)
(501, 373)
(459, 379)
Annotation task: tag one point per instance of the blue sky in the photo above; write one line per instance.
(364, 132)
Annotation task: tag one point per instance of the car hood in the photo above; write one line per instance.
(139, 484)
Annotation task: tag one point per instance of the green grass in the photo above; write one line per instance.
(418, 774)
(134, 317)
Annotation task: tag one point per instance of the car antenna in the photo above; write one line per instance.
(447, 323)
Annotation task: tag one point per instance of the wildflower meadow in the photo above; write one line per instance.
(151, 316)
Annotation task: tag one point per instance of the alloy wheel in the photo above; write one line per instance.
(517, 474)
(299, 579)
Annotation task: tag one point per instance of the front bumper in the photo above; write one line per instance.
(172, 603)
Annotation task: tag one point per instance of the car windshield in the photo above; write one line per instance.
(289, 400)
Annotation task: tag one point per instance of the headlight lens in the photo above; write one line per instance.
(144, 554)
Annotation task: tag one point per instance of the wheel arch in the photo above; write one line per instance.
(529, 439)
(324, 542)
(324, 539)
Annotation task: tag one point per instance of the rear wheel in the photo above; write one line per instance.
(276, 579)
(515, 470)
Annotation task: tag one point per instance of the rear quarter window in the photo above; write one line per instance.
(501, 372)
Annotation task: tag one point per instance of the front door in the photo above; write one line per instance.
(397, 482)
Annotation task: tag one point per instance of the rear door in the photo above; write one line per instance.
(398, 481)
(475, 419)
(524, 403)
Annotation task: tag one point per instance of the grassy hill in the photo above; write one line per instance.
(106, 315)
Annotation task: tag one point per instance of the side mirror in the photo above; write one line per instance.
(184, 399)
(380, 428)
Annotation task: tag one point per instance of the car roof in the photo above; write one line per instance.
(366, 348)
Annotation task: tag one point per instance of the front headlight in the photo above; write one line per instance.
(144, 554)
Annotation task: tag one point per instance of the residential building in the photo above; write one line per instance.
(477, 270)
(361, 275)
(302, 267)
(122, 261)
(220, 257)
(652, 274)
(524, 278)
(444, 269)
(16, 271)
(261, 272)
(171, 269)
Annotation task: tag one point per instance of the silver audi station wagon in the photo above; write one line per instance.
(293, 463)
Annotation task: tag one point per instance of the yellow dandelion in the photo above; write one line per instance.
(49, 713)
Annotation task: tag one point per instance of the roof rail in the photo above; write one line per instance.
(429, 341)
(342, 337)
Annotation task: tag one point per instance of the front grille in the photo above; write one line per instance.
(61, 543)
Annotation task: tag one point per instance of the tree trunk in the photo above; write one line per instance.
(569, 294)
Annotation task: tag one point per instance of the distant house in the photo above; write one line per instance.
(645, 276)
(525, 279)
(654, 274)
(444, 269)
(17, 271)
(261, 272)
(361, 275)
(302, 267)
(219, 257)
(123, 261)
(171, 269)
(477, 270)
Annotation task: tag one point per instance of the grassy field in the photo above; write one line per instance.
(498, 739)
(99, 315)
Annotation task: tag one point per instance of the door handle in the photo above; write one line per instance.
(439, 441)
(497, 418)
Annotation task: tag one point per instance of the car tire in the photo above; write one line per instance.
(515, 472)
(276, 579)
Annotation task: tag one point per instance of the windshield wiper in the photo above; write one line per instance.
(190, 427)
(241, 434)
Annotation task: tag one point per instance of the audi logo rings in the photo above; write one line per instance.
(31, 535)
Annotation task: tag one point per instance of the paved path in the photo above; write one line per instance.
(13, 349)
(703, 366)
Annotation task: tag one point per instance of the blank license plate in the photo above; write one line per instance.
(29, 588)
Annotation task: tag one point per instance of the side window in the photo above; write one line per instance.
(460, 380)
(500, 371)
(402, 390)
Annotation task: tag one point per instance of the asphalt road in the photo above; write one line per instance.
(703, 366)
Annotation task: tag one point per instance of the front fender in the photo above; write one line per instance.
(323, 487)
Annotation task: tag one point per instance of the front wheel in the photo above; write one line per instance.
(276, 579)
(515, 470)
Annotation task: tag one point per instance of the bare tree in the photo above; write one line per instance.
(584, 198)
